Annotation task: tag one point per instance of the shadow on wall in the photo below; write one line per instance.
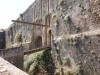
(49, 38)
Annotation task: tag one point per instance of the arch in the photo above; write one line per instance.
(49, 38)
(38, 42)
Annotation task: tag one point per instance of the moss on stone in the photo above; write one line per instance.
(39, 62)
(68, 19)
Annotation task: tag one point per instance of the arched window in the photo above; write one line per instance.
(38, 42)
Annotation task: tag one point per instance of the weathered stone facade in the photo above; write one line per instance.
(73, 28)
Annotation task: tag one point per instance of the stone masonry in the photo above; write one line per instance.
(73, 31)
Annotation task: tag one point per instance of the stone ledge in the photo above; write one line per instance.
(80, 35)
(8, 69)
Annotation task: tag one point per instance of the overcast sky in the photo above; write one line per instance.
(10, 10)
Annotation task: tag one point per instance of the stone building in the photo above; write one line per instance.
(72, 29)
(2, 39)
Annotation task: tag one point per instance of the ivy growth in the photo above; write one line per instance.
(68, 19)
(58, 53)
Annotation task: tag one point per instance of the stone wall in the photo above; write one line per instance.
(74, 26)
(38, 13)
(13, 55)
(8, 69)
(19, 30)
(81, 49)
(75, 30)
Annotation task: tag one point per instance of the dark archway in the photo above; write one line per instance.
(38, 42)
(49, 38)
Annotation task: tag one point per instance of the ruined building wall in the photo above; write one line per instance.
(74, 26)
(38, 12)
(20, 31)
(75, 30)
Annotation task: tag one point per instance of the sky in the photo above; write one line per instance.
(11, 9)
